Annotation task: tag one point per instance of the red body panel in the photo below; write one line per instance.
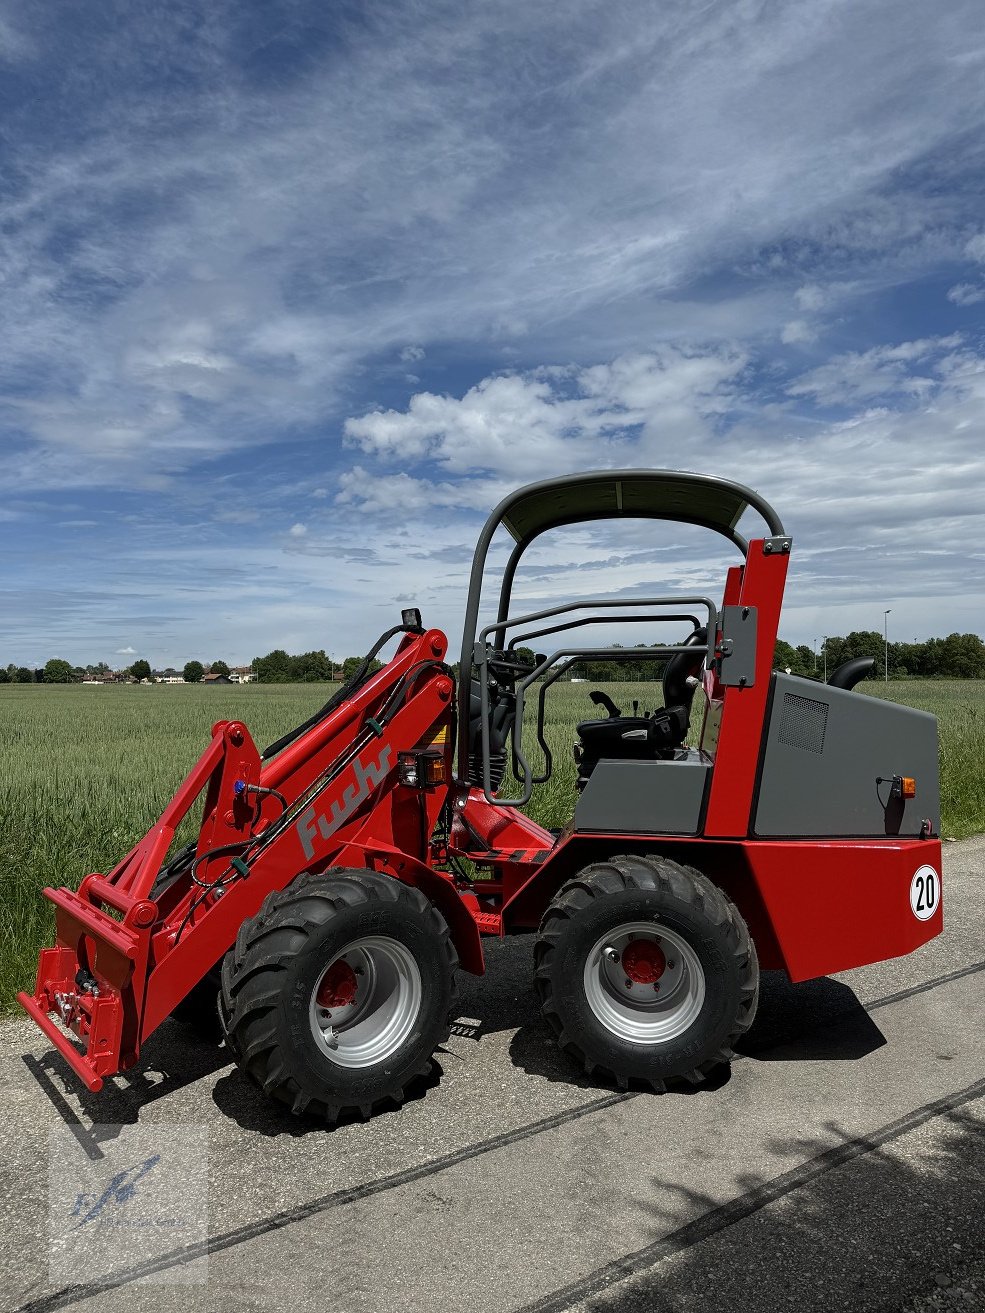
(843, 904)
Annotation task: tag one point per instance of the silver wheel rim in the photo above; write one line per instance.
(644, 1011)
(383, 1011)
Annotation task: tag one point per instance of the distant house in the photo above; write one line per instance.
(216, 679)
(242, 675)
(169, 676)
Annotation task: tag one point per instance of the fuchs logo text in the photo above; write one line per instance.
(369, 776)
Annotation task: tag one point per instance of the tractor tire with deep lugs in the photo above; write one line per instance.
(337, 993)
(646, 971)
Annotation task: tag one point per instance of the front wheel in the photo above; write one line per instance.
(646, 970)
(338, 992)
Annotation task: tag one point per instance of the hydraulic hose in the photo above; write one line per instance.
(355, 681)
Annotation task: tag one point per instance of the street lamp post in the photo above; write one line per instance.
(815, 656)
(824, 650)
(885, 639)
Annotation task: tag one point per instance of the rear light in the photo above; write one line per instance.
(903, 786)
(422, 769)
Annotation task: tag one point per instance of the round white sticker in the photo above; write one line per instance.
(925, 892)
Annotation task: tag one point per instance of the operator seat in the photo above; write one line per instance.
(644, 738)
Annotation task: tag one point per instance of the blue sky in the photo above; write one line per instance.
(293, 293)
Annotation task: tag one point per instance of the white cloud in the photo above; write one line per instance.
(524, 425)
(412, 353)
(126, 651)
(411, 496)
(298, 530)
(975, 248)
(453, 199)
(966, 293)
(811, 297)
(907, 368)
(15, 46)
(863, 496)
(796, 332)
(821, 296)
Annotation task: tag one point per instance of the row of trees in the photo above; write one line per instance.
(278, 667)
(958, 656)
(57, 671)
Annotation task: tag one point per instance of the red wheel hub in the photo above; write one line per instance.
(338, 986)
(643, 961)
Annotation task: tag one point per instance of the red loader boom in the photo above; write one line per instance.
(327, 903)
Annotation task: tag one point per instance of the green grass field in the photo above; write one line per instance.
(85, 771)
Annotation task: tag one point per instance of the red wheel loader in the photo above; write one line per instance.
(343, 875)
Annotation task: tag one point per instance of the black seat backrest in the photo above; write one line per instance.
(681, 667)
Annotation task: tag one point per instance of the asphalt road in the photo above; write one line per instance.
(840, 1165)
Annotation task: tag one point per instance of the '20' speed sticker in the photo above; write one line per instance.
(925, 892)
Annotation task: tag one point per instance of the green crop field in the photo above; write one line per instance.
(85, 771)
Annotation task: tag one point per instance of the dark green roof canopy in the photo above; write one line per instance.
(699, 499)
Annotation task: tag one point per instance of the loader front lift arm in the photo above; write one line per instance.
(130, 945)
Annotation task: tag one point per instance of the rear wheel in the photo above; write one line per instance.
(338, 991)
(646, 971)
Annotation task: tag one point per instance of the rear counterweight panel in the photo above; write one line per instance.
(829, 757)
(834, 906)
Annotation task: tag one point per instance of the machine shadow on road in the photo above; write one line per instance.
(172, 1058)
(817, 1020)
(911, 1229)
(814, 1021)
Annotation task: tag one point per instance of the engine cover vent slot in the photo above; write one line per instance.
(803, 722)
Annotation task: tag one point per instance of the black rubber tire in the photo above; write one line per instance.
(269, 975)
(625, 889)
